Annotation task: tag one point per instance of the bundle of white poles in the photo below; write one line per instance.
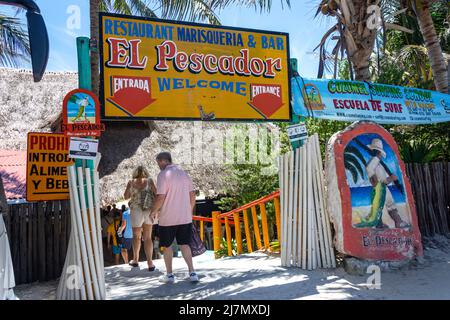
(83, 274)
(305, 225)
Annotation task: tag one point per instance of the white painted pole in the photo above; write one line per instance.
(317, 204)
(309, 214)
(326, 246)
(94, 232)
(295, 208)
(332, 257)
(76, 294)
(99, 231)
(299, 224)
(286, 204)
(304, 207)
(87, 234)
(81, 262)
(282, 217)
(291, 205)
(78, 261)
(312, 207)
(79, 224)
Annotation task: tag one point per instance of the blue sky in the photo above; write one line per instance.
(305, 31)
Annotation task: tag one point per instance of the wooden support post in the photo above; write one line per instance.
(228, 235)
(217, 231)
(265, 227)
(237, 233)
(256, 228)
(202, 230)
(247, 232)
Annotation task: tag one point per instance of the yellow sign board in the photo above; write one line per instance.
(47, 161)
(159, 69)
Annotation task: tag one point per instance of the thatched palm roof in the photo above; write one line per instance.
(27, 106)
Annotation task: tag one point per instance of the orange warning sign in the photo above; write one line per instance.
(47, 161)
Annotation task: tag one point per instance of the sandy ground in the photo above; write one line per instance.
(259, 277)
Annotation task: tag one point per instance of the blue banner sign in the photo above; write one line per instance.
(352, 100)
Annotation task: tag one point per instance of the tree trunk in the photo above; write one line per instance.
(93, 11)
(432, 43)
(360, 40)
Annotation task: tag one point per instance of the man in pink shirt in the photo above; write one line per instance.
(173, 207)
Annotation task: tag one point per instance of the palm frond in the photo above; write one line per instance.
(14, 46)
(353, 160)
(351, 168)
(262, 5)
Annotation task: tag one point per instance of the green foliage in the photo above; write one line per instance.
(223, 250)
(424, 143)
(275, 246)
(419, 152)
(250, 181)
(325, 129)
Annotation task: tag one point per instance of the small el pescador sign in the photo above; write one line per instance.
(81, 114)
(83, 148)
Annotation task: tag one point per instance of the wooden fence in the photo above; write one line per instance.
(430, 185)
(38, 235)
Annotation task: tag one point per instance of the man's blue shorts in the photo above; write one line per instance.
(126, 243)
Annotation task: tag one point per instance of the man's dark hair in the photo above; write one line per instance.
(164, 156)
(124, 207)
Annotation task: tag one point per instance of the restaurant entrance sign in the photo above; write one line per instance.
(159, 69)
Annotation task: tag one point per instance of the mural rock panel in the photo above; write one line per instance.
(369, 195)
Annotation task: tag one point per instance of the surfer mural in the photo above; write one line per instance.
(376, 186)
(374, 215)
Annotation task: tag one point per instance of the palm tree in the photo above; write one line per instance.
(357, 41)
(421, 9)
(352, 34)
(14, 47)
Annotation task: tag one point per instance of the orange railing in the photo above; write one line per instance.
(235, 215)
(202, 221)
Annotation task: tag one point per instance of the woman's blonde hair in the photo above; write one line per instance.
(140, 173)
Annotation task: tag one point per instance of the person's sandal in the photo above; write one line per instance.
(134, 264)
(152, 269)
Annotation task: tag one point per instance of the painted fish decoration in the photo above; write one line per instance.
(378, 198)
